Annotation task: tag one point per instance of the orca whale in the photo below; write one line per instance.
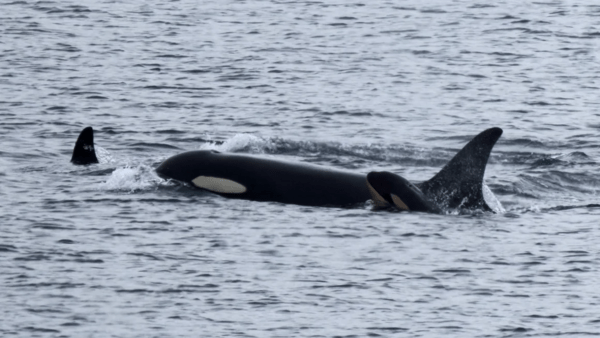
(459, 185)
(388, 189)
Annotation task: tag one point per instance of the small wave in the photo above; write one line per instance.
(570, 207)
(568, 159)
(541, 159)
(131, 179)
(241, 143)
(147, 145)
(335, 152)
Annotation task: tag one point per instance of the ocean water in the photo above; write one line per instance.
(111, 250)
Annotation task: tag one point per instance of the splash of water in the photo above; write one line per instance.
(131, 179)
(241, 142)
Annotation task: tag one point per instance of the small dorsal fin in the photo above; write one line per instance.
(84, 152)
(459, 184)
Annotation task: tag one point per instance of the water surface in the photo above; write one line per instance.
(110, 250)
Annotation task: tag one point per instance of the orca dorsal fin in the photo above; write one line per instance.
(460, 183)
(84, 152)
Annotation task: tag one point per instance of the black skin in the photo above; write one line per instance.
(270, 180)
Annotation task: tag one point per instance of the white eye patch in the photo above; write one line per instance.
(219, 185)
(398, 202)
(376, 198)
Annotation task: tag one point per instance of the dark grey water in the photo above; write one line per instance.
(110, 250)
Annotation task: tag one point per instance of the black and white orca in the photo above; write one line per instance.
(459, 185)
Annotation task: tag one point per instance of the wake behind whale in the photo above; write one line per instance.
(459, 185)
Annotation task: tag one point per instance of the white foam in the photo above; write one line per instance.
(239, 142)
(130, 179)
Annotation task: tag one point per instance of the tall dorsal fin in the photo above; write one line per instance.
(460, 182)
(84, 152)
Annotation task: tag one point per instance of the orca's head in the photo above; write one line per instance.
(186, 166)
(390, 189)
(202, 169)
